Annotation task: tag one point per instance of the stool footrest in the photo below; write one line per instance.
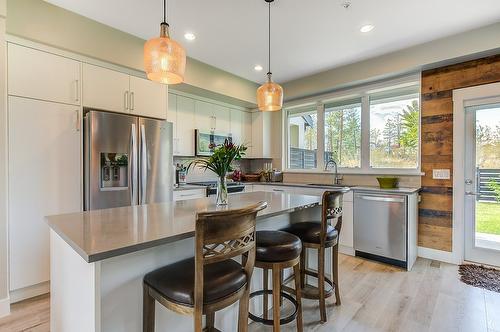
(312, 292)
(284, 320)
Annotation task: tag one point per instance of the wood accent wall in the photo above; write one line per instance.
(435, 212)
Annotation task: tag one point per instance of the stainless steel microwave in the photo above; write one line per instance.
(205, 142)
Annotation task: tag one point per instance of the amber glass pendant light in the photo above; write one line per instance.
(164, 58)
(270, 94)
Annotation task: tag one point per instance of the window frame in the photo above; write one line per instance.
(363, 92)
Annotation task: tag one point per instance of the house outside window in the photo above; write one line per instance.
(373, 129)
(302, 138)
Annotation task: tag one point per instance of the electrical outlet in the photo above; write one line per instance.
(441, 174)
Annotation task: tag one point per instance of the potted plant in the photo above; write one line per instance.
(220, 162)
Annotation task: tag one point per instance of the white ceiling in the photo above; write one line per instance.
(308, 36)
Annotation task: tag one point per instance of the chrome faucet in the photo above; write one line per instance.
(337, 178)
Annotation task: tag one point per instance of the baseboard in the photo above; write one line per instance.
(29, 292)
(346, 250)
(438, 255)
(4, 307)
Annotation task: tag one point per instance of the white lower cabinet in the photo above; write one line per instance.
(44, 179)
(182, 195)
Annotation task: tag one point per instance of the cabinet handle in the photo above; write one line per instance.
(215, 122)
(125, 100)
(77, 121)
(132, 103)
(77, 90)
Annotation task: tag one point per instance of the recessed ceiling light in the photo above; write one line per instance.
(367, 28)
(189, 36)
(258, 68)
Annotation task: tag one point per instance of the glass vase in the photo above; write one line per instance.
(221, 191)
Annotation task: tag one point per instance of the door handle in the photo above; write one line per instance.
(133, 165)
(144, 164)
(77, 121)
(132, 100)
(471, 193)
(381, 199)
(77, 90)
(125, 100)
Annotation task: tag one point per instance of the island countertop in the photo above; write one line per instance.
(100, 234)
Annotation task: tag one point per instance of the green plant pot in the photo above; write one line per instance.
(388, 182)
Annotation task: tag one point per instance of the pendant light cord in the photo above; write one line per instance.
(269, 41)
(165, 11)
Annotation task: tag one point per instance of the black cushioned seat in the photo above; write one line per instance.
(277, 246)
(309, 232)
(176, 281)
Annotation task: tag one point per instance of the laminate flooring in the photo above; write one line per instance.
(375, 297)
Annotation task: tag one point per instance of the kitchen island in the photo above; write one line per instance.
(98, 258)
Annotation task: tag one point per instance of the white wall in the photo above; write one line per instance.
(4, 289)
(453, 49)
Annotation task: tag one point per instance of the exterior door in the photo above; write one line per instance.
(482, 181)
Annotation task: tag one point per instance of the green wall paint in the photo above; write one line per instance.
(42, 22)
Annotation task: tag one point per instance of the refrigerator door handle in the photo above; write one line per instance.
(144, 164)
(132, 172)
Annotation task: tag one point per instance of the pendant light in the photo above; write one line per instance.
(270, 94)
(164, 58)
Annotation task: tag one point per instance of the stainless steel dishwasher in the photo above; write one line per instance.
(380, 227)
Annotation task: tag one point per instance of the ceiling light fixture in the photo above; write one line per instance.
(270, 94)
(258, 68)
(164, 58)
(189, 36)
(367, 28)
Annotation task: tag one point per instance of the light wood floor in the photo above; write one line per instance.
(375, 297)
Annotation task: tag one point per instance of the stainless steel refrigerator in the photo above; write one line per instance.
(128, 160)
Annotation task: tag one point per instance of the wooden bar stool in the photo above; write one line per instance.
(276, 251)
(320, 235)
(211, 280)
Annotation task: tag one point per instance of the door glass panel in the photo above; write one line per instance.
(487, 205)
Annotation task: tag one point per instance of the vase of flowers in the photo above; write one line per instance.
(220, 162)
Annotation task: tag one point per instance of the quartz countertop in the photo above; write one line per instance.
(101, 234)
(305, 185)
(402, 190)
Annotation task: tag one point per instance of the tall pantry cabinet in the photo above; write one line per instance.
(44, 164)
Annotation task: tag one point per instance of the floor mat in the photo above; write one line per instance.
(480, 276)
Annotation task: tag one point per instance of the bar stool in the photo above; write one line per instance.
(211, 280)
(276, 251)
(320, 235)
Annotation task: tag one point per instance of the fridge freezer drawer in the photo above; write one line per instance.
(380, 225)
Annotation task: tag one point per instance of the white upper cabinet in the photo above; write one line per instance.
(212, 117)
(261, 135)
(41, 75)
(222, 119)
(105, 89)
(237, 126)
(110, 90)
(181, 114)
(44, 179)
(205, 120)
(241, 129)
(147, 98)
(185, 130)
